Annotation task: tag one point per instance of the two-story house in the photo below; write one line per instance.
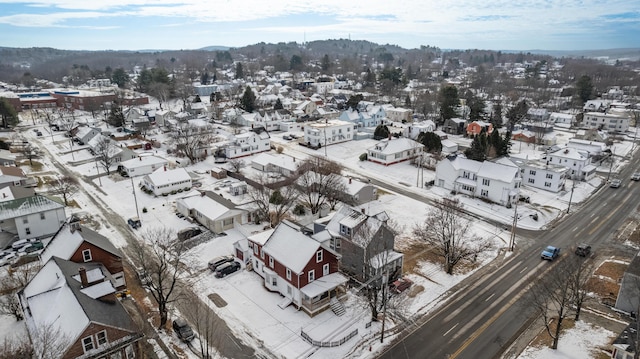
(298, 267)
(328, 132)
(495, 182)
(606, 121)
(15, 176)
(478, 127)
(365, 243)
(31, 217)
(395, 150)
(79, 244)
(454, 126)
(249, 143)
(577, 161)
(76, 307)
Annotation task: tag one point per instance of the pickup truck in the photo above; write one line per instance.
(550, 253)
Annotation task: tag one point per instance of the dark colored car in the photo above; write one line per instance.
(134, 222)
(187, 233)
(183, 330)
(226, 269)
(583, 250)
(218, 261)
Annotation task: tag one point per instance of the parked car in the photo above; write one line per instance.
(287, 137)
(183, 330)
(7, 257)
(550, 253)
(400, 285)
(21, 243)
(218, 261)
(583, 250)
(30, 248)
(615, 183)
(227, 268)
(635, 176)
(189, 232)
(134, 222)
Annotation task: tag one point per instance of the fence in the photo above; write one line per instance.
(318, 343)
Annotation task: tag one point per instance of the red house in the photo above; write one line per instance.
(298, 267)
(478, 127)
(80, 244)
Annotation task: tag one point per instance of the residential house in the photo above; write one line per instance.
(359, 119)
(212, 211)
(163, 117)
(539, 174)
(328, 132)
(116, 152)
(31, 217)
(7, 158)
(357, 192)
(79, 244)
(10, 193)
(398, 114)
(628, 299)
(298, 267)
(477, 127)
(163, 182)
(142, 165)
(86, 133)
(606, 121)
(592, 148)
(454, 126)
(282, 164)
(596, 105)
(15, 176)
(448, 146)
(538, 114)
(577, 161)
(591, 134)
(416, 128)
(365, 243)
(391, 151)
(494, 182)
(566, 119)
(248, 143)
(77, 305)
(624, 346)
(525, 136)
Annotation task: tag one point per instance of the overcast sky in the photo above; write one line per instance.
(448, 24)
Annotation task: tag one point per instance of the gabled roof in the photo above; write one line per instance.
(27, 205)
(55, 297)
(387, 146)
(290, 247)
(498, 171)
(210, 207)
(70, 236)
(12, 171)
(15, 192)
(163, 176)
(353, 218)
(143, 161)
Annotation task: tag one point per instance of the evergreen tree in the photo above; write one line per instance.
(197, 99)
(326, 63)
(295, 63)
(584, 88)
(477, 151)
(353, 101)
(248, 101)
(120, 77)
(517, 113)
(381, 132)
(116, 116)
(476, 108)
(407, 101)
(239, 71)
(506, 144)
(495, 144)
(8, 113)
(278, 105)
(448, 98)
(432, 142)
(496, 117)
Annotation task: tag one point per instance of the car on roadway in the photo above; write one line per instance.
(615, 183)
(550, 253)
(183, 330)
(583, 250)
(635, 176)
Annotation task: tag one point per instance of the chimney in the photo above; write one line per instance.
(165, 168)
(140, 158)
(83, 277)
(349, 180)
(363, 210)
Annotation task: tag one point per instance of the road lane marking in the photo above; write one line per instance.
(524, 269)
(594, 220)
(448, 331)
(605, 219)
(492, 294)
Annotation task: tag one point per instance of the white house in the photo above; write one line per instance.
(539, 174)
(163, 181)
(328, 132)
(591, 147)
(86, 133)
(562, 118)
(282, 164)
(390, 151)
(577, 161)
(31, 217)
(212, 211)
(606, 121)
(415, 129)
(495, 182)
(245, 144)
(143, 165)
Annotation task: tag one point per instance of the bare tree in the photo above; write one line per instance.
(17, 347)
(10, 284)
(67, 121)
(236, 164)
(206, 324)
(580, 272)
(552, 297)
(449, 234)
(29, 152)
(104, 152)
(191, 141)
(272, 204)
(65, 186)
(49, 341)
(159, 255)
(320, 183)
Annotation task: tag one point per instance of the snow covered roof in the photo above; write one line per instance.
(142, 161)
(323, 284)
(55, 298)
(162, 176)
(353, 218)
(262, 237)
(461, 163)
(27, 205)
(498, 171)
(66, 241)
(387, 146)
(12, 171)
(209, 207)
(383, 258)
(291, 247)
(15, 192)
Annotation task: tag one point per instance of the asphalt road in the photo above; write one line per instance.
(489, 311)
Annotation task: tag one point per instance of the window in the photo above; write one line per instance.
(255, 249)
(86, 255)
(227, 222)
(549, 175)
(325, 269)
(485, 181)
(312, 275)
(261, 253)
(531, 180)
(27, 230)
(25, 220)
(288, 274)
(87, 344)
(270, 261)
(532, 172)
(484, 193)
(101, 338)
(128, 351)
(547, 184)
(274, 281)
(42, 218)
(319, 256)
(345, 230)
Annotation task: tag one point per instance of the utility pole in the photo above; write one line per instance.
(573, 186)
(385, 279)
(135, 199)
(98, 171)
(512, 240)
